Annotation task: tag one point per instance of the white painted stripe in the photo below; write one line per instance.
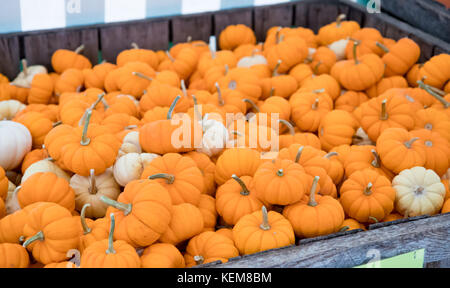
(198, 6)
(123, 10)
(268, 2)
(42, 14)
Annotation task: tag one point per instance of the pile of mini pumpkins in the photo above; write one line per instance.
(92, 176)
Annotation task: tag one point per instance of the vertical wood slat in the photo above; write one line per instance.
(40, 47)
(9, 56)
(198, 26)
(269, 16)
(147, 35)
(321, 14)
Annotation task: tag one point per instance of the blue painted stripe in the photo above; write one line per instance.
(10, 20)
(84, 12)
(159, 8)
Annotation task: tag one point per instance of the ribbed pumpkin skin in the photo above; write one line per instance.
(361, 206)
(249, 238)
(13, 256)
(188, 179)
(211, 246)
(238, 161)
(60, 230)
(307, 221)
(46, 187)
(95, 257)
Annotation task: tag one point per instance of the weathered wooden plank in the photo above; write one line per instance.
(266, 17)
(322, 13)
(439, 264)
(431, 233)
(427, 15)
(301, 14)
(198, 26)
(147, 34)
(40, 46)
(9, 56)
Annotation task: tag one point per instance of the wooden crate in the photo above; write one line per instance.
(356, 247)
(38, 46)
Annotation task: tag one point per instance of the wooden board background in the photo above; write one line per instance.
(38, 46)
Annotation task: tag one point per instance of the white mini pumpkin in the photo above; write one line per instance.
(338, 48)
(130, 144)
(129, 167)
(215, 137)
(418, 192)
(361, 138)
(25, 77)
(44, 166)
(90, 189)
(9, 109)
(11, 203)
(250, 61)
(15, 143)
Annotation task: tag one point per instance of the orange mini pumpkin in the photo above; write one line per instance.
(337, 30)
(237, 197)
(209, 247)
(399, 150)
(46, 187)
(162, 255)
(236, 161)
(108, 253)
(318, 215)
(13, 256)
(337, 128)
(234, 35)
(400, 57)
(144, 204)
(366, 195)
(137, 54)
(64, 59)
(95, 77)
(50, 232)
(179, 175)
(41, 89)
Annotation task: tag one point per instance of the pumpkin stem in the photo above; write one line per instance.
(110, 249)
(172, 107)
(355, 46)
(433, 93)
(275, 70)
(245, 191)
(288, 125)
(130, 127)
(99, 99)
(318, 91)
(134, 45)
(299, 154)
(409, 143)
(79, 49)
(254, 106)
(265, 223)
(199, 259)
(219, 95)
(183, 88)
(84, 139)
(21, 239)
(197, 113)
(368, 189)
(38, 236)
(315, 105)
(316, 68)
(272, 92)
(383, 47)
(280, 172)
(312, 194)
(339, 19)
(377, 161)
(86, 228)
(56, 124)
(126, 208)
(189, 39)
(139, 74)
(373, 219)
(226, 69)
(331, 154)
(277, 35)
(384, 115)
(24, 66)
(170, 56)
(169, 177)
(93, 187)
